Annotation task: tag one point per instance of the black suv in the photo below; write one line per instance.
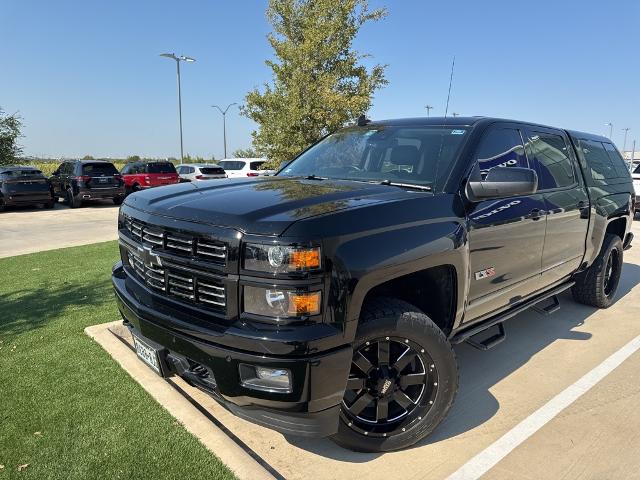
(76, 181)
(325, 300)
(24, 186)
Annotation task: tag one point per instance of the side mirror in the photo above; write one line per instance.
(502, 182)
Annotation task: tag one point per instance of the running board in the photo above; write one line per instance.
(473, 330)
(549, 309)
(492, 341)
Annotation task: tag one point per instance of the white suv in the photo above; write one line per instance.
(636, 186)
(243, 167)
(200, 171)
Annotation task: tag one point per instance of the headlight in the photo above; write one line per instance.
(280, 259)
(279, 303)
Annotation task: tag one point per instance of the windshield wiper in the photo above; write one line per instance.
(426, 188)
(313, 176)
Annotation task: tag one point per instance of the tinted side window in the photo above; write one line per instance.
(603, 164)
(501, 148)
(551, 153)
(618, 163)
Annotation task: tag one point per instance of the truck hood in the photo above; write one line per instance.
(259, 205)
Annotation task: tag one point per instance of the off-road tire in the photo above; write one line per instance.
(385, 318)
(592, 287)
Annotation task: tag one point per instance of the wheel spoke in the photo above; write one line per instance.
(362, 363)
(354, 383)
(383, 353)
(404, 360)
(382, 409)
(412, 379)
(360, 403)
(403, 400)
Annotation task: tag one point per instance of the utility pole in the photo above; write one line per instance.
(429, 108)
(624, 145)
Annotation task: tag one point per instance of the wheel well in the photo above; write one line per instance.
(432, 290)
(617, 227)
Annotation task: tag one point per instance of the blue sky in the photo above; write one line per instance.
(87, 78)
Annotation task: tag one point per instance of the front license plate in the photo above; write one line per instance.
(147, 354)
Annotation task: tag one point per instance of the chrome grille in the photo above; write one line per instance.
(177, 243)
(182, 283)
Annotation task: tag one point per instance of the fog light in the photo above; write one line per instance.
(265, 379)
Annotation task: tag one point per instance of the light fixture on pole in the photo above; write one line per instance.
(610, 129)
(429, 108)
(224, 124)
(624, 145)
(181, 58)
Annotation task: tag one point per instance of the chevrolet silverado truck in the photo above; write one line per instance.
(325, 300)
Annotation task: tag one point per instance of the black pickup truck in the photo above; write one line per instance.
(325, 300)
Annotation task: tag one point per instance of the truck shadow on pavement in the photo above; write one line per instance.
(527, 334)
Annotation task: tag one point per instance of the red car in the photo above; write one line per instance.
(141, 175)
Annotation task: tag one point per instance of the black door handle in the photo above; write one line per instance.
(584, 209)
(536, 214)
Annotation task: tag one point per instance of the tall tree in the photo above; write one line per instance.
(10, 132)
(319, 82)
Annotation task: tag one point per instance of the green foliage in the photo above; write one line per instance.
(133, 158)
(88, 157)
(245, 153)
(10, 132)
(318, 83)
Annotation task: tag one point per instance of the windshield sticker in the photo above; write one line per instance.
(457, 132)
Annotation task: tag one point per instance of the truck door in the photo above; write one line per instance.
(566, 201)
(506, 236)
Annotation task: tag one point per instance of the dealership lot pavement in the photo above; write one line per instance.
(33, 230)
(595, 435)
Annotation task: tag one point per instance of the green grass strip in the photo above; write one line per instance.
(66, 408)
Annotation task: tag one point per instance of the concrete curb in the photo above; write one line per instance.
(214, 439)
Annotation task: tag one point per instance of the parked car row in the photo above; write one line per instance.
(77, 181)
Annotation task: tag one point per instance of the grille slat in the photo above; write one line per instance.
(182, 282)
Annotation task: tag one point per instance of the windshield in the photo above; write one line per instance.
(410, 155)
(232, 164)
(161, 167)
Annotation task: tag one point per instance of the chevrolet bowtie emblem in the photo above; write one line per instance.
(149, 257)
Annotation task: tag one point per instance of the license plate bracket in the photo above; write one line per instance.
(149, 354)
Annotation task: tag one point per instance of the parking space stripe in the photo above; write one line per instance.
(490, 456)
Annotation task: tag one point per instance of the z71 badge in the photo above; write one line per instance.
(486, 273)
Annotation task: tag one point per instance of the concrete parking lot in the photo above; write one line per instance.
(558, 399)
(25, 230)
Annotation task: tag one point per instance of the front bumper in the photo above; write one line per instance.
(318, 379)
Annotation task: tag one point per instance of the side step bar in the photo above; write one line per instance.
(549, 309)
(473, 330)
(490, 342)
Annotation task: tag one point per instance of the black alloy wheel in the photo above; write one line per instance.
(389, 378)
(611, 273)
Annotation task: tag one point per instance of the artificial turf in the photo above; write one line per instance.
(67, 410)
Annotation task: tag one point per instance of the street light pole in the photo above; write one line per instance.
(624, 145)
(179, 59)
(224, 124)
(428, 107)
(610, 129)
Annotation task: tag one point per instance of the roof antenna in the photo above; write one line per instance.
(446, 110)
(453, 64)
(363, 120)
